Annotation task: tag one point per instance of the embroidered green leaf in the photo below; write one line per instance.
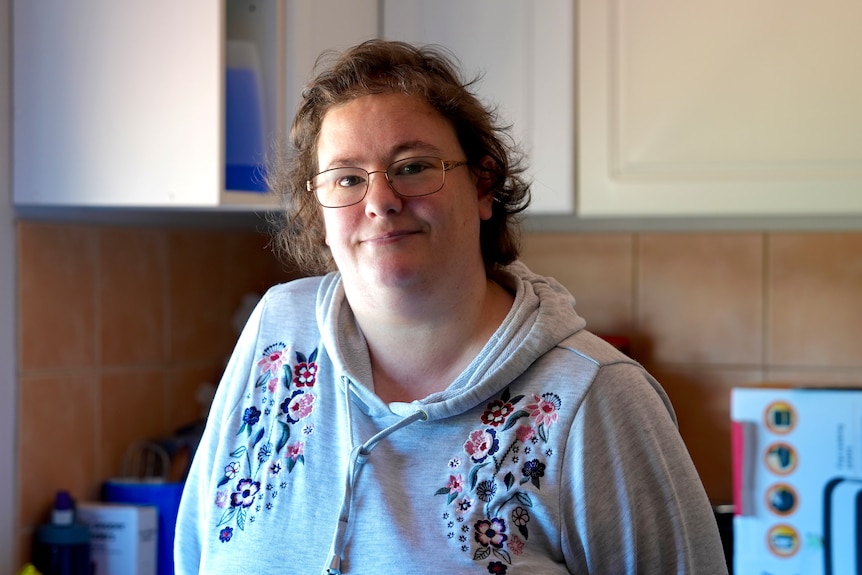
(238, 452)
(481, 554)
(223, 481)
(516, 399)
(313, 357)
(442, 491)
(509, 480)
(523, 530)
(291, 463)
(227, 516)
(504, 555)
(285, 436)
(240, 517)
(535, 481)
(543, 433)
(300, 358)
(515, 417)
(452, 496)
(504, 397)
(524, 499)
(472, 477)
(258, 437)
(262, 380)
(242, 428)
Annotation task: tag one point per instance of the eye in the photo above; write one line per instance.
(348, 180)
(413, 166)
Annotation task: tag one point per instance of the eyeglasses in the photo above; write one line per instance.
(410, 177)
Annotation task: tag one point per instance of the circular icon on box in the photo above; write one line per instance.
(783, 540)
(781, 499)
(780, 417)
(780, 458)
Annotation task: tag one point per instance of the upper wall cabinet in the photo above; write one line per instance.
(524, 50)
(719, 108)
(157, 103)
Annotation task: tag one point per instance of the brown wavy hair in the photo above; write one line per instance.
(379, 66)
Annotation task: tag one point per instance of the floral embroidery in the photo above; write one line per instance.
(264, 449)
(305, 372)
(482, 444)
(499, 483)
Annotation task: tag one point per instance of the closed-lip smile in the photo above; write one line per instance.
(383, 237)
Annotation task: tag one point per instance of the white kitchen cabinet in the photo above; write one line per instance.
(525, 51)
(122, 104)
(732, 108)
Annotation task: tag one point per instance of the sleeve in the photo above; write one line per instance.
(194, 519)
(637, 504)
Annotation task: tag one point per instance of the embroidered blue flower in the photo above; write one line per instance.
(246, 490)
(225, 534)
(486, 490)
(251, 415)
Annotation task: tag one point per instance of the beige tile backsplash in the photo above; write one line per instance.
(119, 326)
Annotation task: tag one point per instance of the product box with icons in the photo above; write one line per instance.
(797, 481)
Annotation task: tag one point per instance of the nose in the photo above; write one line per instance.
(381, 199)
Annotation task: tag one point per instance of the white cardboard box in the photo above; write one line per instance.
(124, 537)
(797, 473)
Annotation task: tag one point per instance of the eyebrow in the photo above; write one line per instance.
(418, 147)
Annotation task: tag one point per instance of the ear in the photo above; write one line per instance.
(483, 177)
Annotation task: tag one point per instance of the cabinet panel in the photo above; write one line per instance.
(117, 103)
(525, 52)
(720, 109)
(124, 104)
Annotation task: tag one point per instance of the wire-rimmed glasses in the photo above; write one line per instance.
(408, 177)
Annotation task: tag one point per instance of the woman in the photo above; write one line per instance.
(429, 405)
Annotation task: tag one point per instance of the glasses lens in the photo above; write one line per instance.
(416, 176)
(340, 187)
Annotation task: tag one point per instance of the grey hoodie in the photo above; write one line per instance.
(551, 453)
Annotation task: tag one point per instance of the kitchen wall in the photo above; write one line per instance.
(119, 326)
(710, 311)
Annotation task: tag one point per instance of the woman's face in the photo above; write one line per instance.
(387, 240)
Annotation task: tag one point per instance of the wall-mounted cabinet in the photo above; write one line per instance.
(732, 108)
(156, 103)
(525, 52)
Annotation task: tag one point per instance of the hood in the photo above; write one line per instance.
(542, 315)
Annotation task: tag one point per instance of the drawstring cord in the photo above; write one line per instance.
(357, 458)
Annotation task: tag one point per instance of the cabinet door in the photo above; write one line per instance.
(719, 108)
(118, 103)
(525, 51)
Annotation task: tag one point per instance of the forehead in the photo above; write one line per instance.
(383, 126)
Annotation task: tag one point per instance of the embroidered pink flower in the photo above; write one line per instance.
(221, 499)
(497, 412)
(294, 450)
(490, 532)
(482, 444)
(272, 385)
(305, 374)
(524, 433)
(544, 409)
(298, 406)
(456, 484)
(273, 359)
(516, 545)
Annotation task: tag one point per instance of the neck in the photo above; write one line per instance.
(420, 343)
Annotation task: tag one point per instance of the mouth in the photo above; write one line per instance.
(388, 237)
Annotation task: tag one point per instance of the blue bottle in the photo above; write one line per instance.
(62, 547)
